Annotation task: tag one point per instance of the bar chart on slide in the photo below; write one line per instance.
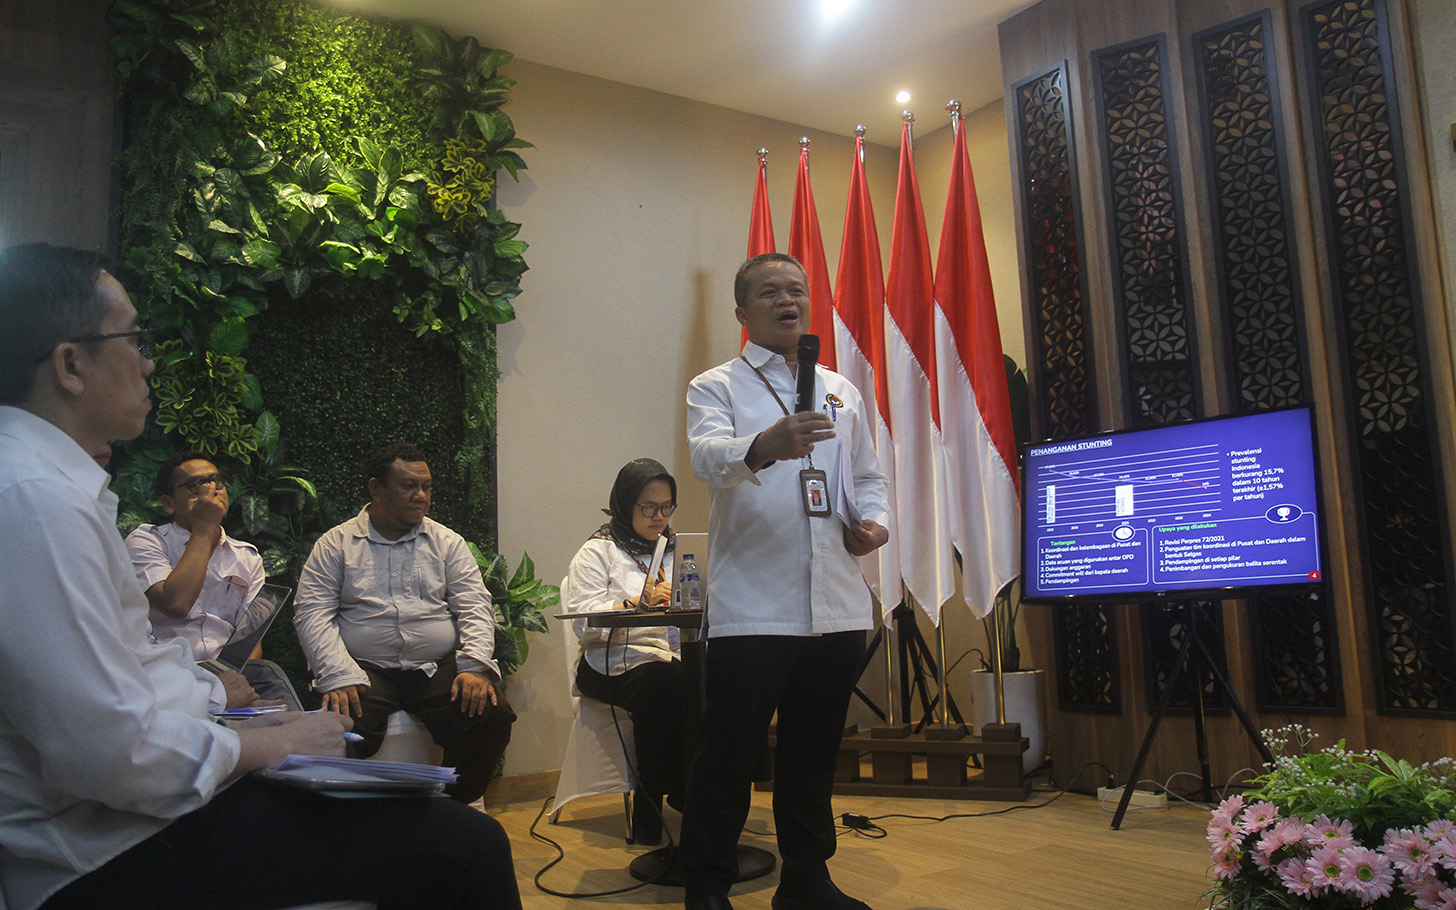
(1157, 484)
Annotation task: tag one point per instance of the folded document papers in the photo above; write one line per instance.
(323, 773)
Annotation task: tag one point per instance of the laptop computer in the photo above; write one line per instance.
(257, 617)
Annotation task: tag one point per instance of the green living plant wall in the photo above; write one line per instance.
(307, 195)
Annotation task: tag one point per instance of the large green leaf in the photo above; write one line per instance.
(493, 61)
(429, 41)
(229, 337)
(261, 253)
(296, 281)
(268, 432)
(486, 123)
(510, 248)
(267, 68)
(341, 256)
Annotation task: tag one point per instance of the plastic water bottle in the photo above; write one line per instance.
(690, 584)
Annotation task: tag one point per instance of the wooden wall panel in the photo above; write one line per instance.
(1058, 30)
(56, 123)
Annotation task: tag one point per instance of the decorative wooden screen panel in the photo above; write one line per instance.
(1259, 302)
(1165, 627)
(1150, 281)
(1062, 364)
(1145, 221)
(1400, 501)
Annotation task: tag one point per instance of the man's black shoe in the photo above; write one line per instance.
(818, 896)
(715, 902)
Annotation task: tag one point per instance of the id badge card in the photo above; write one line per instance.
(814, 487)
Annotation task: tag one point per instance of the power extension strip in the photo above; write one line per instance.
(1143, 799)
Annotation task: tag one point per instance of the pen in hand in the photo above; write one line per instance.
(349, 735)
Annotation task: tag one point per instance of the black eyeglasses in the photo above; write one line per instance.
(146, 342)
(652, 510)
(195, 485)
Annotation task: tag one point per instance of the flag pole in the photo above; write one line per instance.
(889, 667)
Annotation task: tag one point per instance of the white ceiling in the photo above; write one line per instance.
(785, 59)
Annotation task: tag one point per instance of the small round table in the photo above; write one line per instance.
(661, 865)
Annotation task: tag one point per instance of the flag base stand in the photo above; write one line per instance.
(896, 731)
(893, 769)
(945, 769)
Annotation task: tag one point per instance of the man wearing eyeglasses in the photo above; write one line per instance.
(198, 580)
(787, 606)
(117, 789)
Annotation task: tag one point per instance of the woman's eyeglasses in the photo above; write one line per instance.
(652, 510)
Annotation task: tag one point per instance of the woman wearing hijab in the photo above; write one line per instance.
(637, 670)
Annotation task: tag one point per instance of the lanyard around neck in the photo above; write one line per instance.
(768, 385)
(809, 459)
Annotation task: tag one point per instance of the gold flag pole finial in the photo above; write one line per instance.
(956, 116)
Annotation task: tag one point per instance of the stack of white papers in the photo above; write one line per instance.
(324, 773)
(252, 712)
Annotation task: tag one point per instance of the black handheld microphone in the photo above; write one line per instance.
(808, 358)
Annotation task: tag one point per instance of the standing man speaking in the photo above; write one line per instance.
(796, 497)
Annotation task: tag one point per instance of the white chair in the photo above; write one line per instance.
(407, 740)
(595, 761)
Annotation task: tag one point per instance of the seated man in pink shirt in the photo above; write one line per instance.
(198, 580)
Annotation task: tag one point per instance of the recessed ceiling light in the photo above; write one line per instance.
(830, 10)
(901, 97)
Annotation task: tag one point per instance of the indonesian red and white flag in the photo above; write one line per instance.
(859, 335)
(920, 493)
(975, 408)
(760, 222)
(807, 245)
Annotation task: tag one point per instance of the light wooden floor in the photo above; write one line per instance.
(1061, 857)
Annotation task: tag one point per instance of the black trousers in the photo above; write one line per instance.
(651, 694)
(473, 745)
(258, 845)
(808, 680)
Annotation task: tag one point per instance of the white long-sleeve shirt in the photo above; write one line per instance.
(601, 576)
(404, 604)
(772, 569)
(104, 736)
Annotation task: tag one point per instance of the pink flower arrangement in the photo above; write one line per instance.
(1321, 861)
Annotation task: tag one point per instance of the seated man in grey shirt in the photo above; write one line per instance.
(393, 615)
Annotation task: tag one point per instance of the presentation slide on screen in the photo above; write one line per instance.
(1218, 504)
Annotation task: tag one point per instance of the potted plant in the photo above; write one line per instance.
(521, 603)
(1331, 829)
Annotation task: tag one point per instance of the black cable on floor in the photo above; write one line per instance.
(561, 854)
(847, 818)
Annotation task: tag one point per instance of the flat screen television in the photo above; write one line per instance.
(1225, 507)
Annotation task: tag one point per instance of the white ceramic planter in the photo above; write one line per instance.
(1023, 692)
